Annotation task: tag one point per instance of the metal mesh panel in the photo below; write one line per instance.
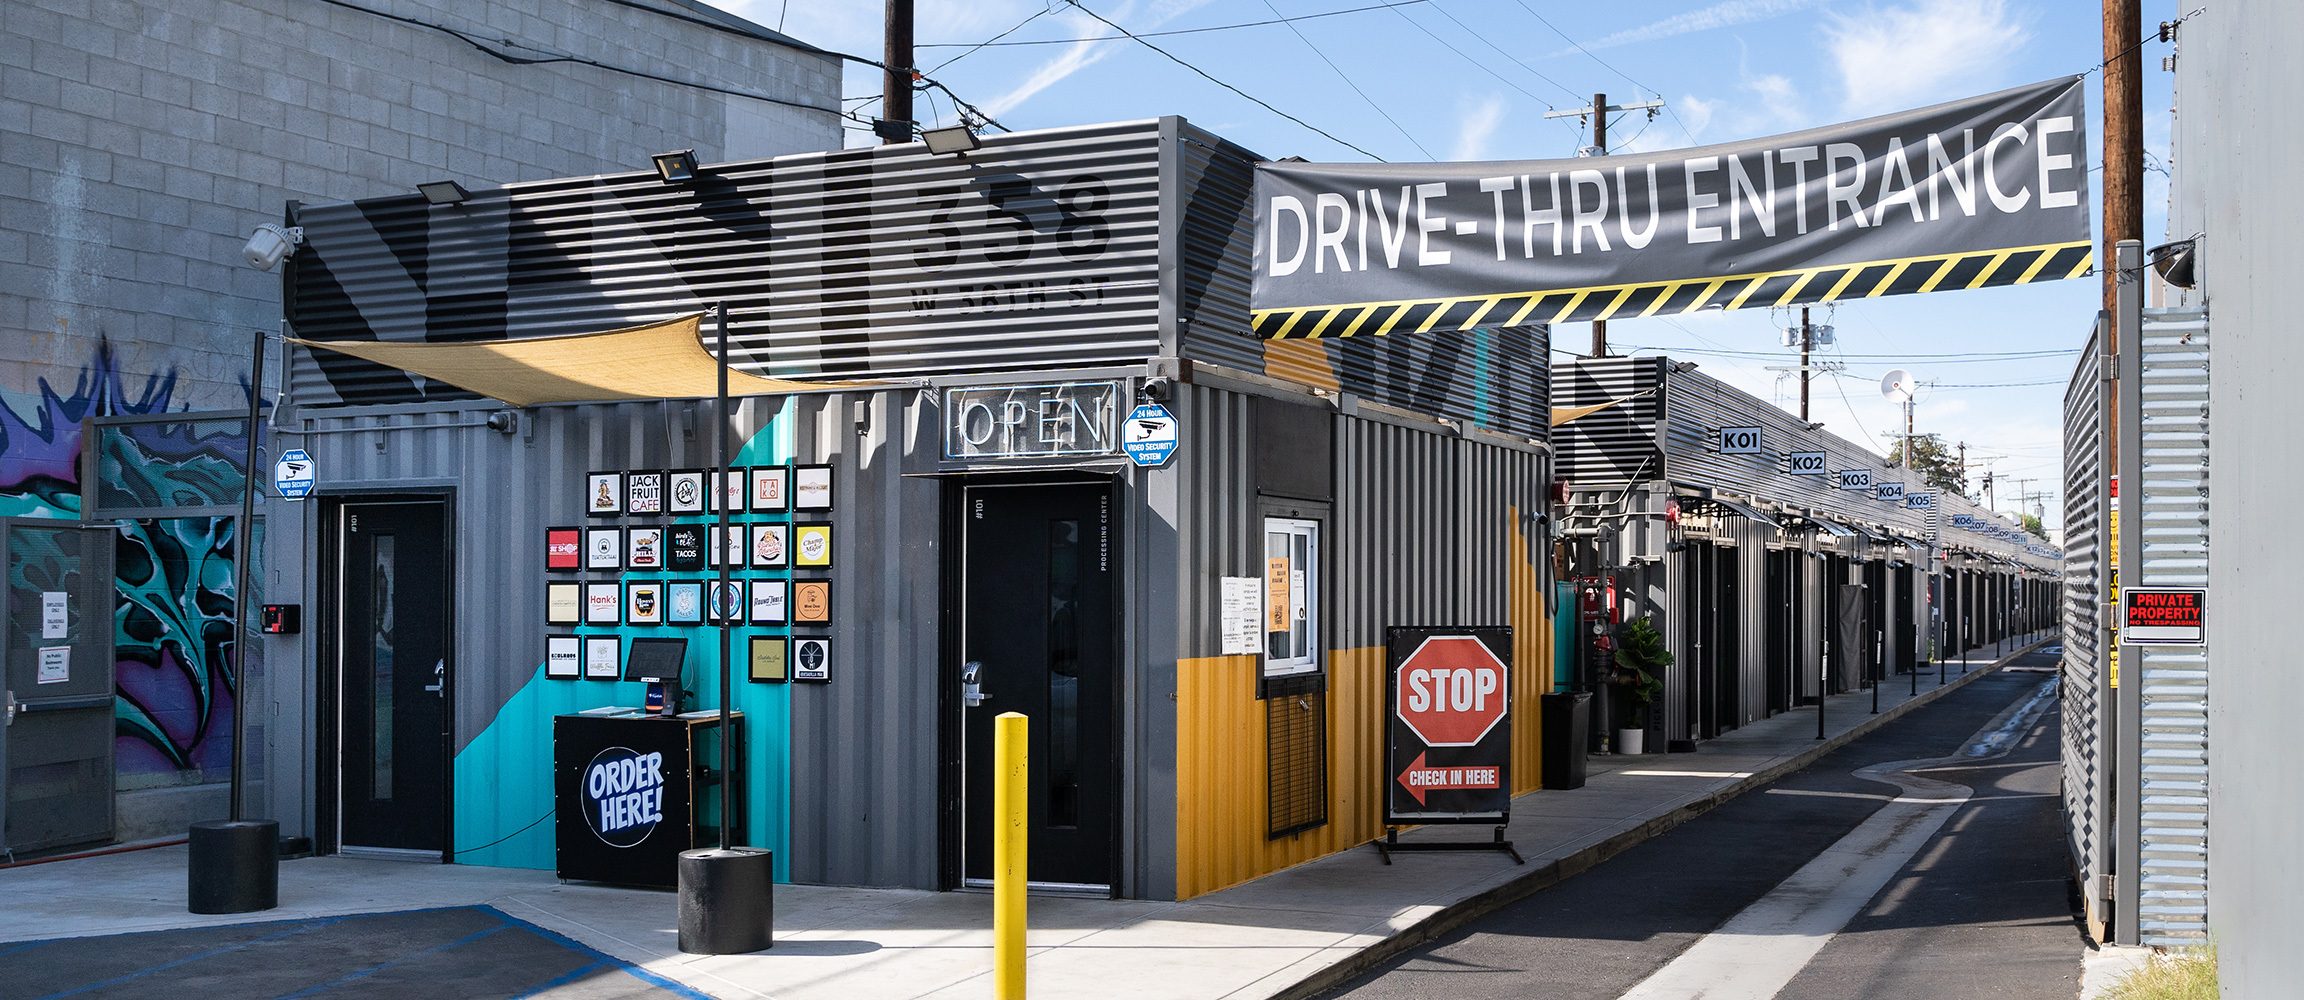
(1296, 759)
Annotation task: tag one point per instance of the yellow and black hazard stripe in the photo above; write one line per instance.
(1830, 283)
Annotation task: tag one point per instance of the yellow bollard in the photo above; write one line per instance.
(1011, 811)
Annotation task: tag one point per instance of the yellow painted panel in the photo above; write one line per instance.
(1220, 749)
(1220, 769)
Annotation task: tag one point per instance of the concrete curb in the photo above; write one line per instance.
(1473, 907)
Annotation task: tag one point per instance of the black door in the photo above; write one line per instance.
(1037, 616)
(392, 629)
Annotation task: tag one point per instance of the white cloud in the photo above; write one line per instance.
(1476, 126)
(1922, 52)
(1719, 15)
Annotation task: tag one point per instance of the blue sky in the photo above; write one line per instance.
(1472, 79)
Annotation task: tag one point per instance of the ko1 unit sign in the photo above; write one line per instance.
(1739, 440)
(1448, 725)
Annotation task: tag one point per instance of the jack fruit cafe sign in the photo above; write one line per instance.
(1991, 190)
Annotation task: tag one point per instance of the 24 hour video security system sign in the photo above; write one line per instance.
(1991, 190)
(1448, 728)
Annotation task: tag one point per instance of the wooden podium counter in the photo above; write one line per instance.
(632, 791)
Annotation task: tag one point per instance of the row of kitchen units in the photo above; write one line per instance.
(993, 317)
(1778, 560)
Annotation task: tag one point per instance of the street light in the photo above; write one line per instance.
(953, 139)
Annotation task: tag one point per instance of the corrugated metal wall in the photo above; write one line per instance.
(2173, 494)
(1622, 443)
(2087, 691)
(1427, 527)
(1042, 250)
(854, 818)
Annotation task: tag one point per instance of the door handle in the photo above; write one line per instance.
(7, 707)
(971, 684)
(439, 683)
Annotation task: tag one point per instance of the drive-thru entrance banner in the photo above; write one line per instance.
(1447, 725)
(1990, 190)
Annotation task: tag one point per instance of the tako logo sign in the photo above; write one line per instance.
(623, 795)
(1448, 737)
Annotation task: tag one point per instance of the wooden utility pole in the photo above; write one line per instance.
(2123, 136)
(1807, 341)
(1599, 148)
(896, 81)
(1599, 112)
(2123, 174)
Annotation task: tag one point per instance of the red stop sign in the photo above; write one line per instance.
(1451, 691)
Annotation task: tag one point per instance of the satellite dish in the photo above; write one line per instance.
(1897, 386)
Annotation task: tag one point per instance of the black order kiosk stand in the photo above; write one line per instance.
(631, 784)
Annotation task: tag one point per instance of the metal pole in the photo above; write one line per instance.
(728, 615)
(1824, 675)
(1011, 808)
(240, 592)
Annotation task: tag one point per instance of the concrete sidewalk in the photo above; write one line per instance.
(1289, 934)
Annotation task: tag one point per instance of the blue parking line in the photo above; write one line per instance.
(670, 986)
(116, 980)
(374, 969)
(570, 976)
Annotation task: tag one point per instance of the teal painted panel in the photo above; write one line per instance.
(1564, 636)
(504, 776)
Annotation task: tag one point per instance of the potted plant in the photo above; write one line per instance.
(1640, 653)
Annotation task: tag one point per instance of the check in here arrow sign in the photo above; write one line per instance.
(1418, 779)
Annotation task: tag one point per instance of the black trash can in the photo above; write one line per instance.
(727, 900)
(1567, 727)
(234, 866)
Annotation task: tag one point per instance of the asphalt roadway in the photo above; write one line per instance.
(1982, 908)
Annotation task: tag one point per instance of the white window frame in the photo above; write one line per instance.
(1304, 595)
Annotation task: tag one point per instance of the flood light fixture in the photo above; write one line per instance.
(953, 139)
(676, 166)
(443, 192)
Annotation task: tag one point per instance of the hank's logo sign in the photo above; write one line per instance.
(624, 795)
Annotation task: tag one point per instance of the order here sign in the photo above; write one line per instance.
(2165, 616)
(1448, 731)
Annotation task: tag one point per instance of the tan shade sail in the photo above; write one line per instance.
(1563, 414)
(659, 361)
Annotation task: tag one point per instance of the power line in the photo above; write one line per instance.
(1158, 34)
(1604, 63)
(994, 40)
(1523, 65)
(1355, 87)
(1467, 57)
(1204, 75)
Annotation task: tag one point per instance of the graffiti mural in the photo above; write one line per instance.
(174, 593)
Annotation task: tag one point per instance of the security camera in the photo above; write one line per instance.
(270, 244)
(1158, 389)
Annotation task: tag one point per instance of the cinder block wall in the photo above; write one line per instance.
(144, 140)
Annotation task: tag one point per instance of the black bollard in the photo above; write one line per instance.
(727, 900)
(235, 866)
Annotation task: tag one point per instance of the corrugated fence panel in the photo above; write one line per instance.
(2173, 494)
(2086, 787)
(1618, 444)
(1042, 250)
